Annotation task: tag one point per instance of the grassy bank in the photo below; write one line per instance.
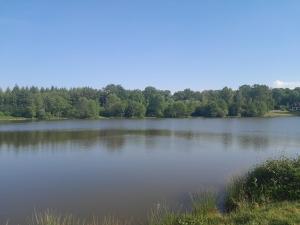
(267, 195)
(281, 113)
(277, 213)
(273, 113)
(280, 213)
(11, 118)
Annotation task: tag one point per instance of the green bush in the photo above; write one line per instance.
(274, 180)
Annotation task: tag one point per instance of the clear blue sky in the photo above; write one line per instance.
(169, 44)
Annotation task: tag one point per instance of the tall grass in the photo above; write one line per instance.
(51, 218)
(162, 215)
(203, 202)
(235, 194)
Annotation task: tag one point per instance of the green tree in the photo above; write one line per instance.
(87, 108)
(57, 106)
(212, 109)
(114, 106)
(135, 109)
(156, 106)
(176, 109)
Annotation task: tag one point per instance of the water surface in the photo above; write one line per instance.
(126, 167)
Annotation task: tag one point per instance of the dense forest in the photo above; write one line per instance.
(115, 101)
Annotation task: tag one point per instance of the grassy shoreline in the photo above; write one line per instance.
(267, 195)
(281, 113)
(12, 118)
(271, 114)
(277, 213)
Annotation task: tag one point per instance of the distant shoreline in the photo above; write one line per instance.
(271, 114)
(114, 101)
(281, 113)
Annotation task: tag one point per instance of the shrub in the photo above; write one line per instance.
(274, 180)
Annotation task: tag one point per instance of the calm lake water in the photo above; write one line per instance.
(126, 167)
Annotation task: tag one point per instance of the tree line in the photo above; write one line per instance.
(116, 101)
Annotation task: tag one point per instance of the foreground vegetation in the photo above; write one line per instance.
(115, 101)
(282, 213)
(267, 195)
(279, 213)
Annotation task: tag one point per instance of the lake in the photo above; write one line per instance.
(127, 167)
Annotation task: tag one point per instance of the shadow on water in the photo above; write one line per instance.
(114, 139)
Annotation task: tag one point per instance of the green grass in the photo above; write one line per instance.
(281, 113)
(279, 213)
(52, 218)
(276, 213)
(267, 195)
(283, 213)
(11, 118)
